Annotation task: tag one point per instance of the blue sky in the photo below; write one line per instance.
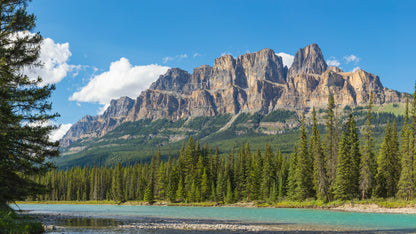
(89, 36)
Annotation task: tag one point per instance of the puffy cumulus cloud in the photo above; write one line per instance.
(351, 58)
(333, 62)
(122, 79)
(54, 59)
(355, 69)
(287, 59)
(58, 133)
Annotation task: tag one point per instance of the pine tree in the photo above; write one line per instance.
(319, 169)
(291, 180)
(394, 158)
(204, 186)
(229, 197)
(148, 193)
(331, 152)
(117, 183)
(304, 167)
(367, 167)
(255, 176)
(24, 109)
(383, 177)
(406, 183)
(180, 192)
(342, 183)
(347, 180)
(266, 173)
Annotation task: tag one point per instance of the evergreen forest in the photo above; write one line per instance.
(336, 165)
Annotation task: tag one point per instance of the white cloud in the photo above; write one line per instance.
(351, 58)
(355, 69)
(287, 59)
(333, 62)
(180, 56)
(54, 59)
(122, 79)
(196, 55)
(58, 133)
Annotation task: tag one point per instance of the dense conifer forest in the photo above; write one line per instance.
(334, 166)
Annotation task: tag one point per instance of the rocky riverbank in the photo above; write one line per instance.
(374, 208)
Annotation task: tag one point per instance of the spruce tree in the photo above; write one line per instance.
(394, 159)
(342, 183)
(180, 191)
(347, 180)
(148, 193)
(367, 167)
(255, 176)
(24, 109)
(384, 177)
(319, 169)
(406, 183)
(266, 173)
(331, 149)
(291, 180)
(204, 186)
(304, 167)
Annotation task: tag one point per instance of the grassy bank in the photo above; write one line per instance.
(384, 203)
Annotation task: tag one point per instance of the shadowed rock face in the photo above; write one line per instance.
(308, 60)
(253, 82)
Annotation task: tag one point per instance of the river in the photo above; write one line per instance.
(147, 219)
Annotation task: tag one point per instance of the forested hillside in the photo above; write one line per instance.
(335, 166)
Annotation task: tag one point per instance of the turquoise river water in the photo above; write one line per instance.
(275, 216)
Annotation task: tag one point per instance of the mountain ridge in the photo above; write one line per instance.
(251, 83)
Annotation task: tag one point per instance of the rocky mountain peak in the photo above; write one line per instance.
(252, 82)
(174, 80)
(262, 65)
(308, 60)
(118, 107)
(225, 62)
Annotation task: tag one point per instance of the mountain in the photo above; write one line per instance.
(251, 83)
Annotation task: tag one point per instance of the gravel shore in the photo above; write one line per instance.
(64, 223)
(374, 208)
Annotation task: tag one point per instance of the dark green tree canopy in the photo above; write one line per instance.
(24, 109)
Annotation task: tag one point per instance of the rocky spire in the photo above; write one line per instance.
(308, 60)
(174, 80)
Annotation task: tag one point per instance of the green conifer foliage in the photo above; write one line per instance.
(304, 167)
(406, 183)
(383, 177)
(24, 109)
(347, 179)
(319, 164)
(331, 149)
(368, 165)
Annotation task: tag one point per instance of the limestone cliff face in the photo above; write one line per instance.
(253, 82)
(308, 60)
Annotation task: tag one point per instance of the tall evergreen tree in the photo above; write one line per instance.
(24, 109)
(304, 166)
(367, 167)
(347, 180)
(319, 168)
(291, 180)
(331, 142)
(395, 165)
(384, 180)
(406, 183)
